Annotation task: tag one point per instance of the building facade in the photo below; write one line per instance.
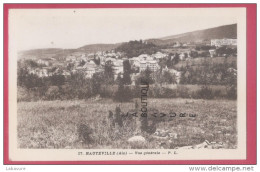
(223, 42)
(152, 65)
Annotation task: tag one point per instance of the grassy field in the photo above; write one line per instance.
(54, 124)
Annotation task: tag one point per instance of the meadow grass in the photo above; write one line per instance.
(54, 124)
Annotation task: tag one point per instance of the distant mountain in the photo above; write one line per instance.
(161, 42)
(45, 52)
(227, 31)
(98, 47)
(41, 51)
(58, 52)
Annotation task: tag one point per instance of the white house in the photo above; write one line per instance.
(175, 72)
(221, 42)
(144, 56)
(118, 67)
(71, 58)
(182, 56)
(89, 68)
(159, 56)
(90, 72)
(43, 62)
(212, 52)
(151, 64)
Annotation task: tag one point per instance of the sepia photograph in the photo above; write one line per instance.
(134, 83)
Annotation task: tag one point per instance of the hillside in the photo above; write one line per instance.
(98, 47)
(41, 51)
(45, 52)
(227, 31)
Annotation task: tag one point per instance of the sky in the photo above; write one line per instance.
(74, 28)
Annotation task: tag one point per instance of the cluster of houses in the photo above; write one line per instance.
(223, 42)
(95, 62)
(91, 63)
(47, 71)
(145, 61)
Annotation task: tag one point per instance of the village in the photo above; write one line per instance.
(95, 62)
(175, 92)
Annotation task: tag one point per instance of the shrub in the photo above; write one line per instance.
(146, 127)
(169, 93)
(232, 93)
(24, 95)
(148, 123)
(106, 93)
(205, 93)
(53, 93)
(217, 94)
(84, 132)
(155, 91)
(118, 117)
(123, 93)
(182, 92)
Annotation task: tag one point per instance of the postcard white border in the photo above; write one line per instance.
(17, 154)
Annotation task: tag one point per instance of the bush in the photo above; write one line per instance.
(53, 93)
(24, 94)
(169, 93)
(123, 94)
(232, 93)
(146, 127)
(106, 93)
(154, 91)
(217, 94)
(159, 92)
(205, 93)
(118, 117)
(84, 132)
(182, 92)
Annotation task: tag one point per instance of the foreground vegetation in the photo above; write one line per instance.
(60, 124)
(202, 73)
